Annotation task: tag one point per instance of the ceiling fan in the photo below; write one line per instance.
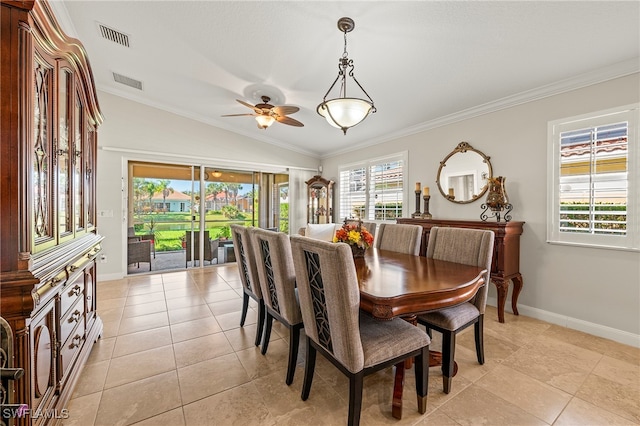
(266, 114)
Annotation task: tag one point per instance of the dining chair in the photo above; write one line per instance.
(278, 284)
(246, 259)
(402, 238)
(470, 247)
(138, 251)
(352, 340)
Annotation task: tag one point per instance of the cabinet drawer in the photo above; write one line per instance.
(71, 347)
(70, 294)
(71, 319)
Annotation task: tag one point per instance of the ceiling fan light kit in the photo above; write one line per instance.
(345, 112)
(266, 114)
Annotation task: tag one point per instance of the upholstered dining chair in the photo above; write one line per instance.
(278, 284)
(400, 238)
(246, 259)
(353, 341)
(470, 247)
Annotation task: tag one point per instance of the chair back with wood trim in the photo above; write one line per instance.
(246, 259)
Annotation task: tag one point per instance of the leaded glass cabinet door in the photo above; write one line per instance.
(64, 155)
(319, 200)
(43, 211)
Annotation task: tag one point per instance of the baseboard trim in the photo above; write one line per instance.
(620, 336)
(109, 277)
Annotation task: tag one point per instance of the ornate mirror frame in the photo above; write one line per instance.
(472, 177)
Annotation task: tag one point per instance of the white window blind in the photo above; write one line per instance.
(593, 186)
(373, 189)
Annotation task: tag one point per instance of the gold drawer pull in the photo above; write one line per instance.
(76, 290)
(77, 338)
(75, 317)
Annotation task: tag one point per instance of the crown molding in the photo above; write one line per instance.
(611, 72)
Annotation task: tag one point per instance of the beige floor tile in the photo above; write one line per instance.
(144, 309)
(82, 410)
(622, 352)
(110, 329)
(139, 400)
(258, 365)
(145, 288)
(177, 285)
(495, 349)
(144, 298)
(142, 341)
(519, 330)
(111, 315)
(623, 400)
(111, 292)
(533, 396)
(201, 348)
(243, 337)
(102, 350)
(437, 418)
(184, 302)
(235, 283)
(190, 313)
(144, 322)
(238, 406)
(140, 365)
(226, 306)
(92, 379)
(221, 296)
(213, 286)
(174, 417)
(106, 304)
(619, 371)
(210, 377)
(475, 406)
(580, 412)
(192, 329)
(145, 279)
(182, 292)
(232, 320)
(556, 363)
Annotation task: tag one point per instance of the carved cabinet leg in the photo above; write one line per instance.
(502, 287)
(517, 287)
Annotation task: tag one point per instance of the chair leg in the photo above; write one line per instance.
(294, 341)
(428, 330)
(355, 398)
(309, 368)
(267, 332)
(421, 367)
(261, 315)
(245, 308)
(479, 331)
(448, 356)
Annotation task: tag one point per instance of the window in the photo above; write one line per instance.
(373, 189)
(594, 180)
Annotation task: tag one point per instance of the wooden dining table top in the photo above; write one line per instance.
(393, 284)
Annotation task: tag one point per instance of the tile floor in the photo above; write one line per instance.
(172, 353)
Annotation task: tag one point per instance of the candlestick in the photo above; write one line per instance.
(418, 186)
(417, 212)
(426, 214)
(425, 191)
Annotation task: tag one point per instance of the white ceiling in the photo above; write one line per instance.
(424, 63)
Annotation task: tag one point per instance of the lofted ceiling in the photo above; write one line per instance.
(424, 63)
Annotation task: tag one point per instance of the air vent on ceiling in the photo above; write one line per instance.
(113, 35)
(128, 81)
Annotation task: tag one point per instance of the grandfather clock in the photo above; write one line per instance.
(319, 200)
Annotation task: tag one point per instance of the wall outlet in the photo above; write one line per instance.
(103, 258)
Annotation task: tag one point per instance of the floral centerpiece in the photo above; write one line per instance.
(356, 235)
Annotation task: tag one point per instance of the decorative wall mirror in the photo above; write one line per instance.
(463, 174)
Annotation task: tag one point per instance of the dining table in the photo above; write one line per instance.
(402, 285)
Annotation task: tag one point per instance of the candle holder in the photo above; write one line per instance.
(497, 201)
(417, 212)
(426, 214)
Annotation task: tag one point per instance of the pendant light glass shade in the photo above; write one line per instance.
(264, 121)
(343, 113)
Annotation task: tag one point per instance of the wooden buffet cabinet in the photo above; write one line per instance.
(48, 236)
(506, 253)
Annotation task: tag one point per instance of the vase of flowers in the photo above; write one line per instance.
(356, 235)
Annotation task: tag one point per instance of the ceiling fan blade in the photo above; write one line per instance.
(285, 110)
(290, 121)
(257, 110)
(238, 115)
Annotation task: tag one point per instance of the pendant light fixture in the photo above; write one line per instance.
(344, 112)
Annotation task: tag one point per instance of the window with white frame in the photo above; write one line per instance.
(373, 189)
(593, 183)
